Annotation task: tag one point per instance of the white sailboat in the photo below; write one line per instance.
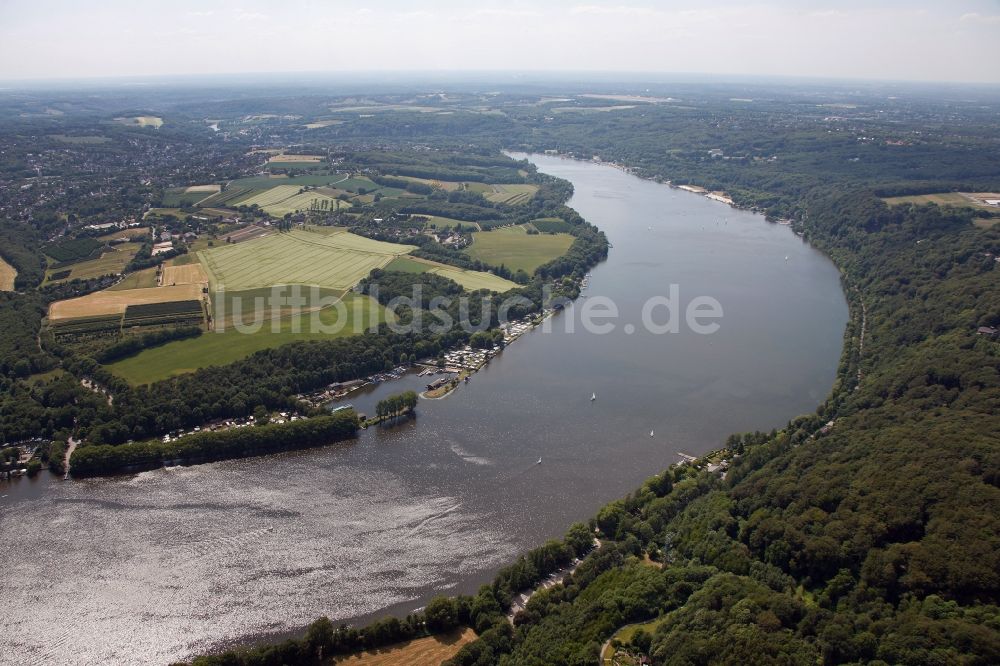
(650, 433)
(593, 397)
(539, 462)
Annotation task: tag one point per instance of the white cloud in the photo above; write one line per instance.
(976, 17)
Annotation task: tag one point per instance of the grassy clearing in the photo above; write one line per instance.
(7, 275)
(551, 225)
(220, 348)
(408, 265)
(166, 212)
(446, 222)
(473, 280)
(135, 234)
(469, 280)
(429, 651)
(511, 194)
(337, 260)
(514, 248)
(142, 121)
(111, 301)
(144, 279)
(966, 199)
(111, 262)
(446, 185)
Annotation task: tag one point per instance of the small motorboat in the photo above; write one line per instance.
(539, 462)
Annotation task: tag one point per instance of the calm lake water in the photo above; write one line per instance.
(161, 565)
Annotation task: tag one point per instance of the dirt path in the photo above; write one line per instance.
(69, 452)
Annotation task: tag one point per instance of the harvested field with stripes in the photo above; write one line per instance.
(184, 274)
(511, 194)
(337, 261)
(115, 302)
(284, 199)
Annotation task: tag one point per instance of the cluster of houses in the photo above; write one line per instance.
(167, 238)
(468, 358)
(230, 424)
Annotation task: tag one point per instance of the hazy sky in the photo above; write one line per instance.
(917, 40)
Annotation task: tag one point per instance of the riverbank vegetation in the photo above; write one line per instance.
(396, 405)
(98, 459)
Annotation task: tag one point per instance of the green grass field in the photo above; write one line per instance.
(966, 199)
(337, 261)
(220, 348)
(447, 222)
(470, 280)
(407, 265)
(139, 280)
(473, 280)
(515, 248)
(511, 194)
(111, 261)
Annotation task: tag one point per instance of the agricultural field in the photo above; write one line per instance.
(133, 234)
(144, 279)
(446, 185)
(473, 280)
(470, 280)
(429, 651)
(99, 325)
(447, 222)
(224, 197)
(337, 261)
(7, 275)
(516, 249)
(112, 261)
(967, 199)
(166, 212)
(409, 265)
(511, 194)
(313, 180)
(111, 301)
(188, 273)
(230, 345)
(269, 196)
(142, 121)
(309, 200)
(552, 225)
(161, 314)
(73, 250)
(302, 159)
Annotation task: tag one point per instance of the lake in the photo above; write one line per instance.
(158, 566)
